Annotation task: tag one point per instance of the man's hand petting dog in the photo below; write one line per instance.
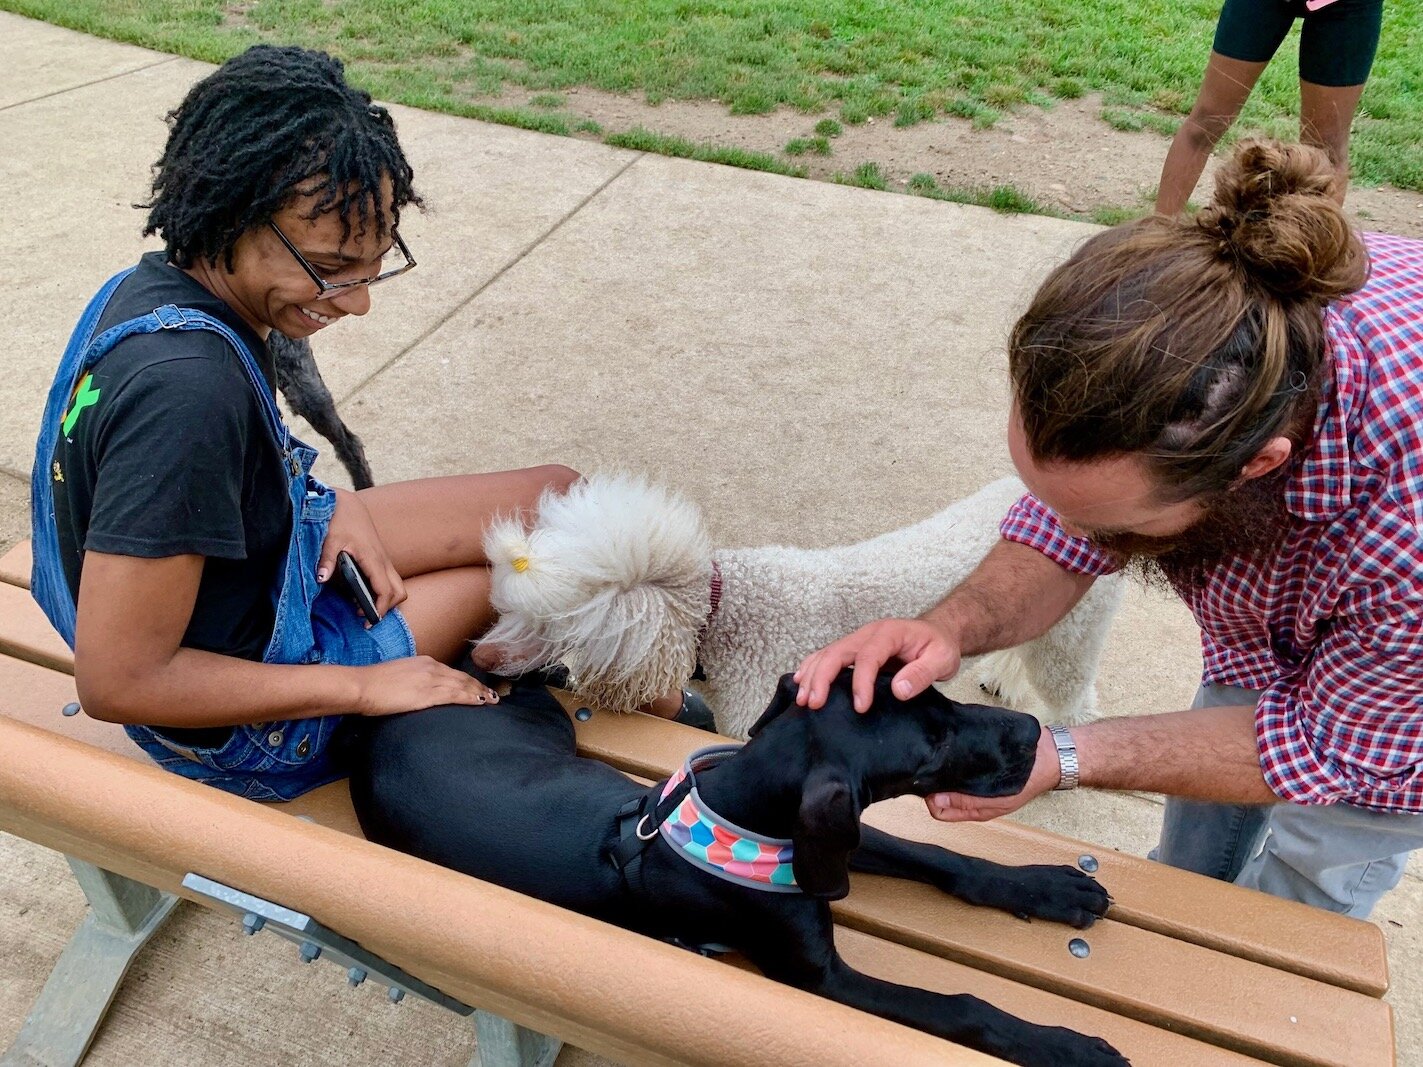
(929, 654)
(416, 683)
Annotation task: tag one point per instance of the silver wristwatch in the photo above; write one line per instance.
(1066, 756)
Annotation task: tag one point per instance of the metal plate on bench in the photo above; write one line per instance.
(316, 940)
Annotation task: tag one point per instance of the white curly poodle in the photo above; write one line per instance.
(618, 581)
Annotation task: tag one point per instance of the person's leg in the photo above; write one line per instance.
(1336, 53)
(436, 524)
(1336, 857)
(433, 529)
(1224, 90)
(447, 609)
(1211, 839)
(1325, 115)
(1246, 37)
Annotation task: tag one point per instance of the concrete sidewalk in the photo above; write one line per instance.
(811, 363)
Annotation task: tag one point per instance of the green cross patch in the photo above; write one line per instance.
(84, 397)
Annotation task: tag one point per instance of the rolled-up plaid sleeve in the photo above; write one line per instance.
(1031, 522)
(1350, 728)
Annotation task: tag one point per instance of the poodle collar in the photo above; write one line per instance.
(706, 840)
(714, 591)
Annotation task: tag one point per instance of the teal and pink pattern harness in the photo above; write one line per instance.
(706, 840)
(701, 836)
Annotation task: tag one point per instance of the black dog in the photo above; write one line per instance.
(307, 394)
(500, 795)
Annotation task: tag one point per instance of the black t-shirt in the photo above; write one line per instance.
(165, 451)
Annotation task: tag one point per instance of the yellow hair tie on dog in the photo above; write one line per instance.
(520, 564)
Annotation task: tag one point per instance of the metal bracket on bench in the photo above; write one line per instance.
(315, 940)
(122, 916)
(498, 1041)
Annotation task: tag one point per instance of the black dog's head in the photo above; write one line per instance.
(927, 744)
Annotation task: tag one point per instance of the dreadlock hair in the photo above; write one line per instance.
(1192, 342)
(270, 124)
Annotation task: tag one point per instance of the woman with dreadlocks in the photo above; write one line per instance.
(181, 545)
(1232, 403)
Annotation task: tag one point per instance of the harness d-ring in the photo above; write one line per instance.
(644, 836)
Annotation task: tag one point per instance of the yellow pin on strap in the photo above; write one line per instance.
(520, 564)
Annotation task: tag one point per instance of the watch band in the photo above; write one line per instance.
(1066, 756)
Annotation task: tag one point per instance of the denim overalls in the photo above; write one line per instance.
(313, 623)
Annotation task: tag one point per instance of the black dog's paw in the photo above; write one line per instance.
(1062, 1047)
(1057, 893)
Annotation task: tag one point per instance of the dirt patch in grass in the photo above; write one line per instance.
(1064, 159)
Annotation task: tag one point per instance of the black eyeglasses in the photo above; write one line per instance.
(325, 289)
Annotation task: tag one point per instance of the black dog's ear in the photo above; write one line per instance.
(786, 690)
(827, 831)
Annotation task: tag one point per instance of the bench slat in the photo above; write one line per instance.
(1142, 1044)
(1137, 973)
(26, 634)
(33, 694)
(1282, 934)
(15, 566)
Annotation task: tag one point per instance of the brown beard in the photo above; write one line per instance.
(1244, 523)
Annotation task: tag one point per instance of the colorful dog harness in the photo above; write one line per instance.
(702, 837)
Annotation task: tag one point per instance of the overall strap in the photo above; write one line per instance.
(47, 581)
(173, 317)
(80, 340)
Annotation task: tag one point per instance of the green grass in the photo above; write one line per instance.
(866, 176)
(1005, 199)
(644, 140)
(801, 146)
(1127, 118)
(853, 59)
(828, 128)
(1108, 215)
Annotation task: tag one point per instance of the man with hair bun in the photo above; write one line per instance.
(1231, 404)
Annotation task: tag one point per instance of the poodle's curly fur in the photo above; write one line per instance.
(613, 581)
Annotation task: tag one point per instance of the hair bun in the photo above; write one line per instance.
(1274, 212)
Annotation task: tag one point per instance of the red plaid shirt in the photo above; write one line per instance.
(1331, 629)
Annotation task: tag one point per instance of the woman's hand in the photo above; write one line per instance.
(929, 654)
(353, 531)
(418, 682)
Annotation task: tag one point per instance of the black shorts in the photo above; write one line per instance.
(1336, 45)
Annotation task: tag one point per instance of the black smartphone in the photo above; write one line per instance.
(357, 586)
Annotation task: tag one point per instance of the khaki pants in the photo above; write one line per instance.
(1334, 856)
